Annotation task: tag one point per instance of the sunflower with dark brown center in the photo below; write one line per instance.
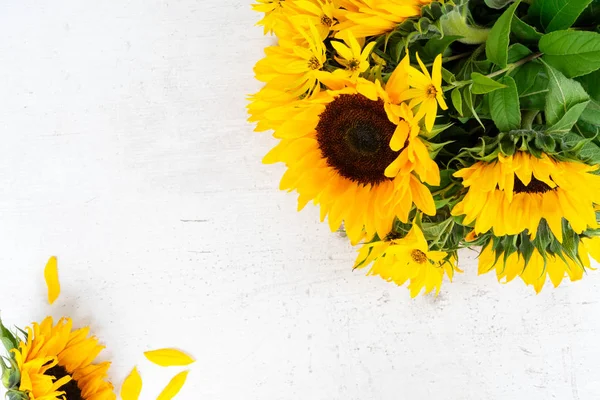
(512, 194)
(56, 362)
(337, 147)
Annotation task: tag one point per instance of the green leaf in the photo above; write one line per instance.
(574, 53)
(567, 121)
(436, 46)
(561, 14)
(517, 52)
(524, 32)
(496, 47)
(482, 84)
(590, 83)
(532, 85)
(564, 94)
(497, 4)
(457, 100)
(591, 114)
(468, 98)
(504, 106)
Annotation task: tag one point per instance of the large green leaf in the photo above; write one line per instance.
(591, 84)
(561, 14)
(532, 85)
(524, 32)
(564, 99)
(591, 114)
(504, 106)
(496, 47)
(574, 53)
(482, 84)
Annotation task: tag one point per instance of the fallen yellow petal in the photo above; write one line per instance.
(173, 387)
(51, 276)
(169, 357)
(132, 386)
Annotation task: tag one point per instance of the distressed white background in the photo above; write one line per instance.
(125, 152)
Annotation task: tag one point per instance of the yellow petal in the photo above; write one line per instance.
(51, 276)
(173, 387)
(169, 357)
(132, 386)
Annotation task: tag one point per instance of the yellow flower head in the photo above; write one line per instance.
(336, 148)
(426, 91)
(370, 18)
(537, 270)
(293, 69)
(273, 10)
(353, 57)
(319, 13)
(56, 361)
(408, 260)
(514, 193)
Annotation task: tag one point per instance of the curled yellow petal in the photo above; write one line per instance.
(169, 357)
(132, 386)
(51, 276)
(173, 387)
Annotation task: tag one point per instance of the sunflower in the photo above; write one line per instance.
(513, 193)
(56, 362)
(273, 10)
(426, 91)
(405, 259)
(369, 18)
(294, 69)
(337, 149)
(353, 57)
(539, 267)
(319, 13)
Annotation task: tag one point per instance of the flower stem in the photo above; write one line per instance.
(512, 66)
(527, 118)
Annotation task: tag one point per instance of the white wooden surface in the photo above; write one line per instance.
(125, 152)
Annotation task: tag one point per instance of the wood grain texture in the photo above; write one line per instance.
(126, 152)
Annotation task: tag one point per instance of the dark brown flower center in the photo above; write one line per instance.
(535, 186)
(354, 135)
(314, 63)
(418, 256)
(72, 391)
(353, 64)
(431, 91)
(325, 20)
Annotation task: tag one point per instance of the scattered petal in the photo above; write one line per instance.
(52, 282)
(132, 386)
(173, 387)
(169, 357)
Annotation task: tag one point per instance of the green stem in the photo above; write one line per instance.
(512, 66)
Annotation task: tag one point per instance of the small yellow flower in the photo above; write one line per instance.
(273, 10)
(293, 69)
(426, 91)
(319, 13)
(354, 58)
(408, 259)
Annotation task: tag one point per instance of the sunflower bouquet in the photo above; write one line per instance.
(422, 127)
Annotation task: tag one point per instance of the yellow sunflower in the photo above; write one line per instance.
(273, 11)
(56, 362)
(512, 194)
(537, 269)
(337, 149)
(426, 91)
(353, 57)
(318, 13)
(294, 69)
(374, 17)
(405, 259)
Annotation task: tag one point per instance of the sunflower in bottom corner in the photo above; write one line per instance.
(53, 362)
(408, 259)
